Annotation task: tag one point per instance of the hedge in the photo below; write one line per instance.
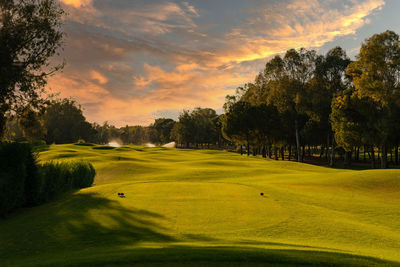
(23, 182)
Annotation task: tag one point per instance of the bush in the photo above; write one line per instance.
(18, 174)
(60, 177)
(24, 183)
(83, 173)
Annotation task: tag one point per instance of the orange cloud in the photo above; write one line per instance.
(77, 3)
(95, 75)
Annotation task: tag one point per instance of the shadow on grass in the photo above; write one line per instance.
(220, 256)
(82, 221)
(86, 229)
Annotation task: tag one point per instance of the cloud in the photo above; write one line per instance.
(77, 3)
(126, 60)
(95, 75)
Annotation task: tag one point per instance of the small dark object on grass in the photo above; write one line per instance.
(261, 194)
(121, 194)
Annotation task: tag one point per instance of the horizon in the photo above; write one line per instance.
(129, 63)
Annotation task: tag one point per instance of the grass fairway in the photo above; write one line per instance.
(205, 207)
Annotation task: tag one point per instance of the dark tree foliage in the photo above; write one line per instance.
(65, 123)
(30, 34)
(160, 131)
(199, 128)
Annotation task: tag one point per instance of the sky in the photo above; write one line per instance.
(131, 61)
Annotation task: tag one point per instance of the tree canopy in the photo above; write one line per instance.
(30, 34)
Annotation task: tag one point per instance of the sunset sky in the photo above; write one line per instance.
(131, 61)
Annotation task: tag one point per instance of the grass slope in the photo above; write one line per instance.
(205, 207)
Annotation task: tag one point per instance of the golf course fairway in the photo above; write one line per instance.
(205, 208)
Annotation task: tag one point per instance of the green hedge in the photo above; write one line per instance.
(58, 177)
(25, 183)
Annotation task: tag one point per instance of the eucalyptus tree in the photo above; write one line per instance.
(376, 75)
(329, 80)
(353, 121)
(287, 80)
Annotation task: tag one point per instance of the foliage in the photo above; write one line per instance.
(30, 34)
(59, 177)
(322, 101)
(199, 127)
(17, 176)
(160, 131)
(65, 123)
(24, 183)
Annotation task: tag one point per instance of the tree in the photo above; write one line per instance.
(375, 75)
(31, 124)
(65, 123)
(330, 80)
(161, 133)
(353, 122)
(30, 34)
(288, 79)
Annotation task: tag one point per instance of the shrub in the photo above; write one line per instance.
(60, 177)
(18, 174)
(24, 183)
(83, 174)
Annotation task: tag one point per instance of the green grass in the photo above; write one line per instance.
(204, 207)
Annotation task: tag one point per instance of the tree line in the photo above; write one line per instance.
(61, 121)
(303, 102)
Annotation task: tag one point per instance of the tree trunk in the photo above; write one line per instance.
(327, 148)
(384, 163)
(264, 152)
(396, 155)
(270, 152)
(283, 153)
(364, 159)
(303, 153)
(241, 150)
(332, 163)
(372, 157)
(276, 152)
(357, 157)
(391, 156)
(296, 125)
(347, 158)
(248, 145)
(290, 152)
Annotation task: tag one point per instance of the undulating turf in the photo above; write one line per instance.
(206, 208)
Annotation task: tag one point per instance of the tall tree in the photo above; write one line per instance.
(376, 75)
(288, 79)
(330, 79)
(30, 34)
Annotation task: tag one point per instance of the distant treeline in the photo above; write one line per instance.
(62, 121)
(304, 102)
